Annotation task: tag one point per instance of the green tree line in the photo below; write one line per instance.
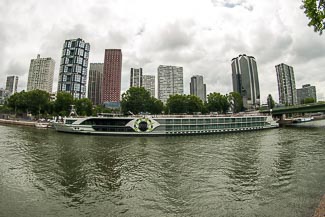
(136, 100)
(39, 104)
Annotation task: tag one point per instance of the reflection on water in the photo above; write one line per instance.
(275, 172)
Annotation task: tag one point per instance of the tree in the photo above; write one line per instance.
(308, 100)
(270, 102)
(194, 104)
(138, 100)
(18, 102)
(62, 104)
(38, 101)
(155, 106)
(176, 104)
(84, 106)
(315, 11)
(100, 109)
(218, 103)
(236, 101)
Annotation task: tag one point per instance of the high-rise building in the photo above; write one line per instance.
(73, 68)
(307, 91)
(170, 81)
(4, 95)
(286, 84)
(95, 82)
(136, 78)
(12, 84)
(40, 76)
(197, 87)
(111, 89)
(149, 84)
(245, 80)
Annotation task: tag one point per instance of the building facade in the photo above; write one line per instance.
(136, 77)
(12, 84)
(111, 89)
(4, 95)
(307, 91)
(149, 83)
(95, 82)
(73, 68)
(170, 81)
(286, 84)
(40, 76)
(245, 80)
(197, 87)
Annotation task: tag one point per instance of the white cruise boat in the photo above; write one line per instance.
(164, 125)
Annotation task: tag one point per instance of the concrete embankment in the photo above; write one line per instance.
(320, 211)
(18, 122)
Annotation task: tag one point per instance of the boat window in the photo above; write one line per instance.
(186, 121)
(106, 122)
(69, 121)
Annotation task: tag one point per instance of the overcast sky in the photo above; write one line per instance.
(202, 36)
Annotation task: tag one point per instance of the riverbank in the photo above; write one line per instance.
(18, 122)
(320, 211)
(285, 122)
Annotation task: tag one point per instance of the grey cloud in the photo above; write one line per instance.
(174, 36)
(141, 30)
(233, 4)
(308, 48)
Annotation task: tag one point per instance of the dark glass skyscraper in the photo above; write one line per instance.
(73, 68)
(12, 84)
(245, 80)
(95, 82)
(197, 87)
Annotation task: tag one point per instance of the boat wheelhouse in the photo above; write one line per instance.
(164, 125)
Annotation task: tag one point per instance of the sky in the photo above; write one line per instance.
(202, 36)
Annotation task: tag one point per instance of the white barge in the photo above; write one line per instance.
(164, 125)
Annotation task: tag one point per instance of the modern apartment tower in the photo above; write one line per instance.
(197, 87)
(170, 81)
(40, 76)
(286, 84)
(95, 82)
(73, 68)
(111, 89)
(12, 84)
(149, 84)
(245, 80)
(307, 91)
(136, 77)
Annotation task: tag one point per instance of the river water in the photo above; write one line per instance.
(276, 172)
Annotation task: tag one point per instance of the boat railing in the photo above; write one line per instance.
(200, 116)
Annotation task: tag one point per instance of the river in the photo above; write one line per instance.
(276, 172)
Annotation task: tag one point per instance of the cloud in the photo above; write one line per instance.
(201, 36)
(233, 4)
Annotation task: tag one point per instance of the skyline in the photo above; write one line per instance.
(202, 37)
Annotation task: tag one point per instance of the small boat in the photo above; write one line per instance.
(42, 124)
(302, 119)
